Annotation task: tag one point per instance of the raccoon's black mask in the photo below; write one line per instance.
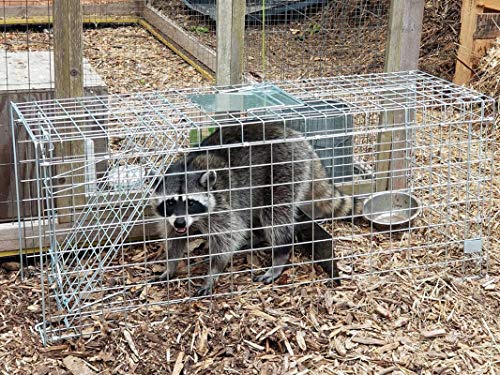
(178, 206)
(184, 198)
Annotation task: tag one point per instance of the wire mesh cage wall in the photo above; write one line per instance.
(130, 201)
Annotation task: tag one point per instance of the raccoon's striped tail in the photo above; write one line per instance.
(329, 201)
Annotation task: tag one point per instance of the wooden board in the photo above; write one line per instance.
(131, 8)
(185, 41)
(9, 237)
(27, 82)
(490, 4)
(42, 20)
(463, 69)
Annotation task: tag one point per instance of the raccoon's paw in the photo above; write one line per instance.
(265, 278)
(165, 276)
(271, 275)
(156, 278)
(202, 291)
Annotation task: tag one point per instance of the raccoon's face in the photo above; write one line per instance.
(184, 198)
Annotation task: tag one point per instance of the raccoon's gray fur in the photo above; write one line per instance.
(216, 193)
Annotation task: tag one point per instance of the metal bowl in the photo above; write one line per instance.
(390, 209)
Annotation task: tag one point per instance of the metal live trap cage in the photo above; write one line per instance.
(286, 183)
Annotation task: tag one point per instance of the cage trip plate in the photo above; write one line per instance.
(240, 100)
(244, 99)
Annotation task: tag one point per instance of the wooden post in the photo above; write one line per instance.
(468, 24)
(230, 41)
(68, 48)
(402, 52)
(405, 31)
(68, 76)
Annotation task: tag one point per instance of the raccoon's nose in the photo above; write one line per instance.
(179, 223)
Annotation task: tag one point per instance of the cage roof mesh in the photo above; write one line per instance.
(116, 115)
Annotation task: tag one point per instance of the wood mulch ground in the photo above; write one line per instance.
(402, 323)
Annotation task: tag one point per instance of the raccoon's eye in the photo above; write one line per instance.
(190, 203)
(170, 203)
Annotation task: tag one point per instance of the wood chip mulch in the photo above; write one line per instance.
(419, 323)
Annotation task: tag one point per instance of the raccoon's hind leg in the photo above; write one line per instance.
(175, 250)
(281, 236)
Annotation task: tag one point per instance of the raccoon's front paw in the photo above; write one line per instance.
(165, 276)
(265, 278)
(204, 290)
(156, 278)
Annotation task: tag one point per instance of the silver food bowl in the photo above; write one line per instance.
(391, 209)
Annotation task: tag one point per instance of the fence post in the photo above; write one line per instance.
(230, 41)
(405, 30)
(402, 52)
(68, 48)
(68, 77)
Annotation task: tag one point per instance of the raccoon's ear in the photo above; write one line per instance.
(208, 179)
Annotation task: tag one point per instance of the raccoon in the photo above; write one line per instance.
(231, 189)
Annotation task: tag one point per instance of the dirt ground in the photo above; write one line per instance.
(326, 38)
(429, 321)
